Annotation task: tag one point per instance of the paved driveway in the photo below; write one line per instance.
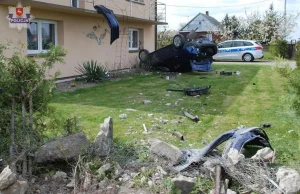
(292, 63)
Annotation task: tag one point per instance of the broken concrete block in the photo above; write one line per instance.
(7, 177)
(19, 187)
(234, 156)
(147, 102)
(184, 184)
(71, 184)
(289, 180)
(59, 176)
(265, 154)
(103, 143)
(62, 149)
(165, 150)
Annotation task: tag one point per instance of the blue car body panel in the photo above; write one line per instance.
(238, 140)
(111, 20)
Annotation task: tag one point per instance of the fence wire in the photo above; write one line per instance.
(247, 175)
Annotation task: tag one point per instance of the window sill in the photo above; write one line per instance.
(134, 51)
(141, 3)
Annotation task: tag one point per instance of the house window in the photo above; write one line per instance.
(133, 39)
(209, 36)
(75, 3)
(40, 34)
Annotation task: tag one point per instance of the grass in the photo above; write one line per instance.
(251, 98)
(268, 56)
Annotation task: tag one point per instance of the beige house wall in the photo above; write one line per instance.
(72, 32)
(145, 9)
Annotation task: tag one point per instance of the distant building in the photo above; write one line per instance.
(204, 25)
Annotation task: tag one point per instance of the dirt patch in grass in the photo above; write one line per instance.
(71, 86)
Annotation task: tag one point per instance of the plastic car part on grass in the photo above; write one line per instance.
(192, 91)
(111, 20)
(239, 139)
(193, 118)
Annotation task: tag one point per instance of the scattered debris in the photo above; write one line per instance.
(7, 177)
(234, 156)
(131, 110)
(123, 116)
(184, 184)
(192, 91)
(266, 125)
(9, 184)
(265, 154)
(59, 176)
(225, 73)
(193, 118)
(288, 179)
(103, 143)
(62, 149)
(71, 184)
(165, 150)
(18, 187)
(147, 102)
(146, 131)
(178, 135)
(232, 152)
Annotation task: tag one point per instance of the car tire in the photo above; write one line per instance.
(247, 57)
(178, 41)
(144, 55)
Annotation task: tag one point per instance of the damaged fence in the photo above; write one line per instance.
(246, 172)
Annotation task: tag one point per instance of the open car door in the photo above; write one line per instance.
(111, 20)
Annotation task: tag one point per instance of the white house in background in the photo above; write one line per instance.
(204, 24)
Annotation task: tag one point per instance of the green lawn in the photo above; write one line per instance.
(251, 98)
(268, 56)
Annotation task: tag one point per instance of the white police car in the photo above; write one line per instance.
(246, 50)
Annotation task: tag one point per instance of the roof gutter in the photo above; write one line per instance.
(73, 10)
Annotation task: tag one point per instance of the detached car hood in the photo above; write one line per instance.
(111, 20)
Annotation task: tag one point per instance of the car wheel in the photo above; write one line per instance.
(248, 57)
(178, 41)
(144, 55)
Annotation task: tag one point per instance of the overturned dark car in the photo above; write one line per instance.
(182, 55)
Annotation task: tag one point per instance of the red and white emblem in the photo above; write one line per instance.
(19, 11)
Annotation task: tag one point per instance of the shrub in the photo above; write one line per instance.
(293, 83)
(297, 55)
(279, 48)
(92, 70)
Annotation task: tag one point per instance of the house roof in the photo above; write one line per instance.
(195, 23)
(72, 10)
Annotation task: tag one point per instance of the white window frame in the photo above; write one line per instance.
(209, 36)
(71, 3)
(130, 31)
(40, 42)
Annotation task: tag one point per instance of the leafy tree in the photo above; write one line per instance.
(164, 38)
(262, 27)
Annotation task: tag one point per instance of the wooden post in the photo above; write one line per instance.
(218, 180)
(12, 136)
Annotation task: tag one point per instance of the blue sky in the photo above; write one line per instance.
(177, 15)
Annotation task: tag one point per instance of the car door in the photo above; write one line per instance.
(237, 50)
(223, 51)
